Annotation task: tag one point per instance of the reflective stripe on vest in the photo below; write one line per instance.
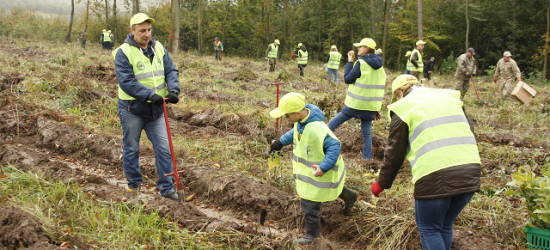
(419, 62)
(106, 37)
(367, 93)
(150, 75)
(303, 57)
(439, 137)
(334, 60)
(273, 52)
(308, 151)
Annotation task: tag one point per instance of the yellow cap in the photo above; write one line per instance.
(408, 54)
(379, 51)
(104, 30)
(289, 103)
(419, 42)
(141, 18)
(366, 42)
(277, 41)
(402, 80)
(108, 31)
(299, 45)
(333, 47)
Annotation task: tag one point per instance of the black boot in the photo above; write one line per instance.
(350, 197)
(310, 209)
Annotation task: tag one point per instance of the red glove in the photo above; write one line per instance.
(519, 80)
(376, 189)
(495, 80)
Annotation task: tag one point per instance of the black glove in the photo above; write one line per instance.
(172, 98)
(276, 146)
(157, 99)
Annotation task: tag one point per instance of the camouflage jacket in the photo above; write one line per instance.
(465, 67)
(507, 70)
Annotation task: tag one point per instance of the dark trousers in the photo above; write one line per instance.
(218, 55)
(311, 209)
(272, 64)
(302, 66)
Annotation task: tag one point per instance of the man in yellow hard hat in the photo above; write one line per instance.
(415, 64)
(317, 164)
(146, 76)
(271, 54)
(366, 81)
(430, 129)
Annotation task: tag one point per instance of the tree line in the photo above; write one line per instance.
(246, 27)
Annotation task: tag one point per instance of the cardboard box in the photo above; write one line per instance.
(523, 93)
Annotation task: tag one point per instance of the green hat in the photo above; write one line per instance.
(368, 42)
(140, 18)
(289, 103)
(277, 41)
(420, 42)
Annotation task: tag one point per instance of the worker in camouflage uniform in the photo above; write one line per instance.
(465, 68)
(509, 73)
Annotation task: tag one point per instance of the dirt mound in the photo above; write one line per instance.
(101, 73)
(18, 229)
(8, 81)
(352, 141)
(468, 240)
(235, 123)
(245, 75)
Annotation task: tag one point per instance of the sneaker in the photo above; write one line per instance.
(173, 196)
(305, 240)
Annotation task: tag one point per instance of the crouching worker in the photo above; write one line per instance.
(430, 128)
(317, 165)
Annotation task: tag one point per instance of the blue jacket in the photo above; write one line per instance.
(331, 146)
(350, 75)
(127, 81)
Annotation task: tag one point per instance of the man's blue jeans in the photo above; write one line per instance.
(132, 125)
(366, 118)
(435, 219)
(332, 72)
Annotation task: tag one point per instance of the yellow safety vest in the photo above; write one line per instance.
(334, 60)
(273, 52)
(303, 57)
(367, 93)
(149, 74)
(411, 67)
(439, 133)
(308, 151)
(106, 37)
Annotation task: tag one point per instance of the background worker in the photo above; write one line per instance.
(146, 75)
(271, 54)
(83, 37)
(333, 63)
(509, 73)
(429, 68)
(415, 64)
(218, 48)
(366, 81)
(105, 39)
(111, 40)
(302, 58)
(443, 155)
(317, 164)
(408, 56)
(465, 69)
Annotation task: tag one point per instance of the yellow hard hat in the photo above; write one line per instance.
(299, 45)
(368, 42)
(408, 53)
(402, 80)
(289, 103)
(419, 42)
(141, 18)
(277, 41)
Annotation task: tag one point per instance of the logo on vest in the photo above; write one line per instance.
(140, 65)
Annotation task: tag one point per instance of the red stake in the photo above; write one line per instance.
(472, 77)
(175, 173)
(277, 120)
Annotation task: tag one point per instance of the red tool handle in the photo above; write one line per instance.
(175, 173)
(277, 120)
(475, 87)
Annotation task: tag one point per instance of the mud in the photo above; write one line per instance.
(20, 230)
(512, 140)
(10, 81)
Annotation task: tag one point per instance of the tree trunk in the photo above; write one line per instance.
(225, 19)
(199, 29)
(547, 37)
(268, 34)
(175, 27)
(87, 14)
(399, 55)
(320, 27)
(71, 22)
(385, 33)
(372, 24)
(107, 14)
(135, 7)
(114, 22)
(420, 15)
(467, 23)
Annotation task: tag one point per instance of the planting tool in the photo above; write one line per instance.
(277, 120)
(175, 173)
(475, 87)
